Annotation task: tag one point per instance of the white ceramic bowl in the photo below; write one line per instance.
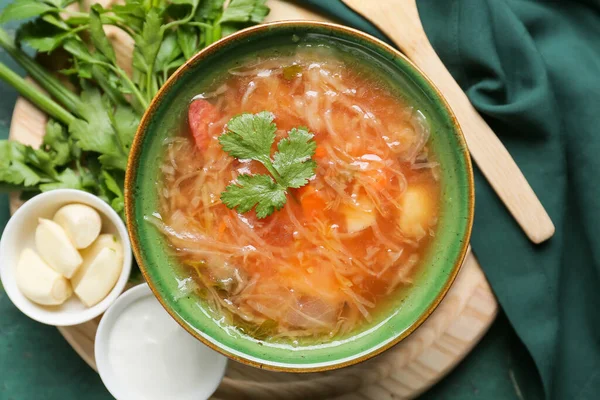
(180, 349)
(20, 234)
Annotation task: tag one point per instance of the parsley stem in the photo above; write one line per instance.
(33, 94)
(79, 18)
(213, 33)
(207, 36)
(46, 80)
(113, 94)
(269, 166)
(187, 19)
(200, 24)
(149, 83)
(150, 74)
(143, 103)
(216, 33)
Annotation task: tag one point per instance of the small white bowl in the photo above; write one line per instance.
(20, 234)
(145, 360)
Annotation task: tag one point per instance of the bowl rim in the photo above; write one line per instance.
(137, 145)
(58, 317)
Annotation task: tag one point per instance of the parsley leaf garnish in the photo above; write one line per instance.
(254, 190)
(293, 158)
(250, 137)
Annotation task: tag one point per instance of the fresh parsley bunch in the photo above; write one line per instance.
(91, 127)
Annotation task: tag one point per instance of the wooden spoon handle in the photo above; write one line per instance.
(399, 20)
(493, 159)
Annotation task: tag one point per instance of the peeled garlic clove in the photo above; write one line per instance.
(81, 223)
(104, 240)
(99, 277)
(40, 283)
(102, 264)
(418, 212)
(56, 249)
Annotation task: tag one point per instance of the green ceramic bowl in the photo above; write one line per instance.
(440, 264)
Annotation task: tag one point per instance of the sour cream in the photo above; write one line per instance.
(146, 355)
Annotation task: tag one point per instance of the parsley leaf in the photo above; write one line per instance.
(23, 9)
(113, 191)
(209, 10)
(23, 165)
(125, 122)
(293, 157)
(43, 34)
(96, 132)
(187, 38)
(56, 143)
(99, 39)
(245, 11)
(147, 45)
(168, 53)
(132, 13)
(78, 49)
(250, 137)
(40, 160)
(68, 179)
(18, 173)
(255, 190)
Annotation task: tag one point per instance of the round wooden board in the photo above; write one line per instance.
(404, 371)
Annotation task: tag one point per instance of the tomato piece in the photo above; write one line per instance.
(200, 115)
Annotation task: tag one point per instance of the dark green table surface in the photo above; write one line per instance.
(37, 363)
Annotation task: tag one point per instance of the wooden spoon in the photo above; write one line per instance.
(399, 20)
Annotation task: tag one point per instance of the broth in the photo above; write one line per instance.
(343, 245)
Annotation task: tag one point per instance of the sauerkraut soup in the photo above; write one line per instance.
(344, 245)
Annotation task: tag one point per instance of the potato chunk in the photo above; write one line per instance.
(418, 211)
(359, 216)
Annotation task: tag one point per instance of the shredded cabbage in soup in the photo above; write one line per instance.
(343, 244)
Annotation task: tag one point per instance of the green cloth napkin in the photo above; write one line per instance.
(532, 70)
